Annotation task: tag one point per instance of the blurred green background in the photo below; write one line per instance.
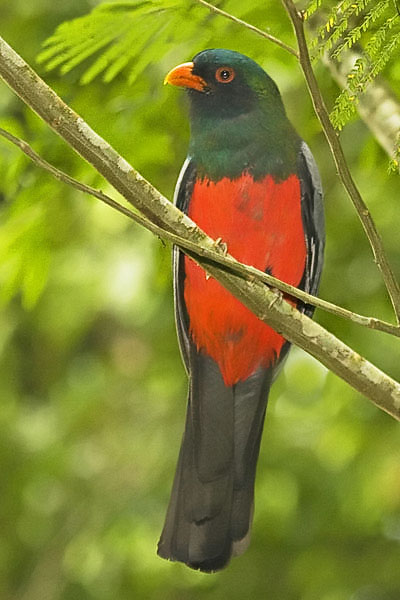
(92, 389)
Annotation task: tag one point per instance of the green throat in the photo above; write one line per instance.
(259, 142)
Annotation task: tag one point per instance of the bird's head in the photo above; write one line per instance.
(225, 83)
(237, 118)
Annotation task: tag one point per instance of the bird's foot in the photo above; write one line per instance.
(222, 245)
(278, 296)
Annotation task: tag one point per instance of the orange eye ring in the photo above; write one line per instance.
(225, 74)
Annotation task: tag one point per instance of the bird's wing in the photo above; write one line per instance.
(183, 192)
(313, 221)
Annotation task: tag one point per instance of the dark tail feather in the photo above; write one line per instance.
(210, 510)
(250, 403)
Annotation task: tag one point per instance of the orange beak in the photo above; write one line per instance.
(182, 76)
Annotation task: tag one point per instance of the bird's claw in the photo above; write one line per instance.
(278, 296)
(223, 245)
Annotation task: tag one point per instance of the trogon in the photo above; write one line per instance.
(250, 181)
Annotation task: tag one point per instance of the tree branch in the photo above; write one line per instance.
(196, 252)
(368, 224)
(265, 303)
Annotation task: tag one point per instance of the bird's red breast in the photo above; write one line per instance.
(261, 223)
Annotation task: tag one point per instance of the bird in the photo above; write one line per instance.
(250, 182)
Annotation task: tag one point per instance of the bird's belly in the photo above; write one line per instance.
(261, 223)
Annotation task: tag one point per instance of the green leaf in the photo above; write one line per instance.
(122, 27)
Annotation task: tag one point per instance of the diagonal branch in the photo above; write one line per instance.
(266, 304)
(197, 252)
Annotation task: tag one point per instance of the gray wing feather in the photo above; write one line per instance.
(182, 193)
(313, 219)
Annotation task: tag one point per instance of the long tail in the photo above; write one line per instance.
(211, 506)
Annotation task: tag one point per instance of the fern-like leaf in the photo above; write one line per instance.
(374, 45)
(344, 109)
(336, 24)
(384, 57)
(312, 7)
(355, 34)
(122, 32)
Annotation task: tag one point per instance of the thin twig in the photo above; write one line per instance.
(248, 272)
(260, 32)
(348, 182)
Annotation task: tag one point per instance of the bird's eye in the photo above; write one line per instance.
(225, 74)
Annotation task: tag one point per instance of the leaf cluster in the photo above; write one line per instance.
(372, 31)
(119, 35)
